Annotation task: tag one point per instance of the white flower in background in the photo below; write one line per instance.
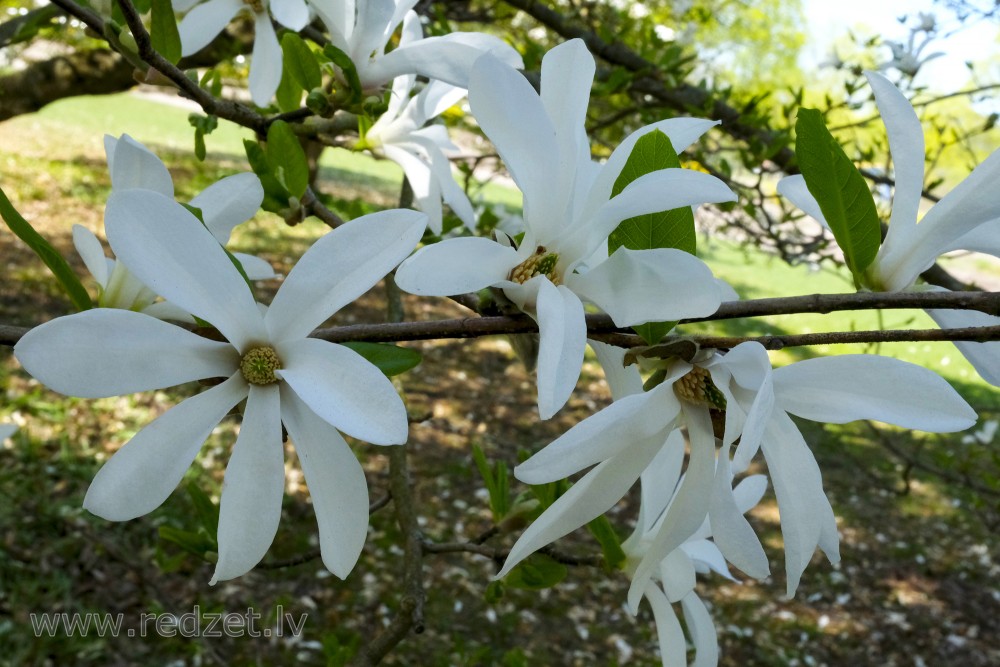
(206, 20)
(967, 218)
(7, 430)
(314, 387)
(568, 216)
(363, 29)
(224, 205)
(399, 135)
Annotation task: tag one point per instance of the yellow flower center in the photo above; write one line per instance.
(258, 365)
(542, 263)
(697, 387)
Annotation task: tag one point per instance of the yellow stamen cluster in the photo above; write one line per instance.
(542, 263)
(258, 365)
(696, 387)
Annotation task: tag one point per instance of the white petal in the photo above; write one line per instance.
(452, 194)
(660, 479)
(229, 202)
(204, 22)
(426, 192)
(340, 267)
(265, 65)
(638, 286)
(345, 390)
(135, 166)
(594, 494)
(623, 380)
(512, 115)
(562, 332)
(7, 430)
(677, 575)
(985, 238)
(143, 473)
(336, 483)
(906, 145)
(292, 14)
(731, 531)
(448, 58)
(371, 29)
(92, 254)
(795, 190)
(255, 267)
(706, 557)
(673, 647)
(164, 310)
(602, 435)
(169, 250)
(456, 266)
(984, 357)
(253, 487)
(702, 631)
(844, 388)
(109, 352)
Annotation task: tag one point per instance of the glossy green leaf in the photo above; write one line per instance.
(536, 572)
(163, 31)
(497, 483)
(390, 359)
(611, 546)
(346, 65)
(840, 190)
(300, 62)
(286, 158)
(289, 93)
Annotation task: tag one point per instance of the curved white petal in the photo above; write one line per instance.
(292, 14)
(109, 352)
(456, 266)
(512, 115)
(340, 267)
(623, 380)
(795, 190)
(450, 191)
(204, 22)
(164, 310)
(702, 631)
(92, 253)
(447, 58)
(906, 145)
(659, 481)
(602, 435)
(844, 388)
(426, 192)
(984, 357)
(7, 430)
(132, 165)
(255, 267)
(265, 65)
(371, 31)
(562, 332)
(229, 202)
(143, 473)
(169, 250)
(638, 286)
(344, 389)
(677, 575)
(673, 646)
(594, 494)
(985, 239)
(730, 529)
(336, 483)
(250, 508)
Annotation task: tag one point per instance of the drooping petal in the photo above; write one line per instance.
(204, 22)
(702, 631)
(707, 558)
(677, 575)
(844, 388)
(92, 253)
(292, 14)
(229, 202)
(984, 357)
(602, 435)
(795, 190)
(985, 239)
(906, 145)
(623, 380)
(336, 483)
(143, 473)
(344, 389)
(592, 496)
(265, 65)
(255, 267)
(132, 165)
(110, 352)
(450, 192)
(340, 267)
(659, 481)
(638, 286)
(426, 193)
(250, 508)
(456, 266)
(733, 534)
(168, 249)
(448, 58)
(673, 646)
(164, 310)
(562, 332)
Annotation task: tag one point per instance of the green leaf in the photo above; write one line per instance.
(275, 195)
(346, 65)
(286, 158)
(289, 93)
(840, 190)
(52, 259)
(536, 572)
(197, 543)
(390, 359)
(666, 229)
(497, 483)
(300, 62)
(207, 511)
(163, 31)
(611, 546)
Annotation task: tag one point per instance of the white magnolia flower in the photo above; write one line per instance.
(313, 387)
(568, 216)
(200, 26)
(7, 430)
(967, 218)
(224, 205)
(362, 30)
(399, 135)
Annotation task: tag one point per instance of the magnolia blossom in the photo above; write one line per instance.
(399, 135)
(568, 215)
(206, 20)
(313, 387)
(224, 205)
(362, 30)
(967, 218)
